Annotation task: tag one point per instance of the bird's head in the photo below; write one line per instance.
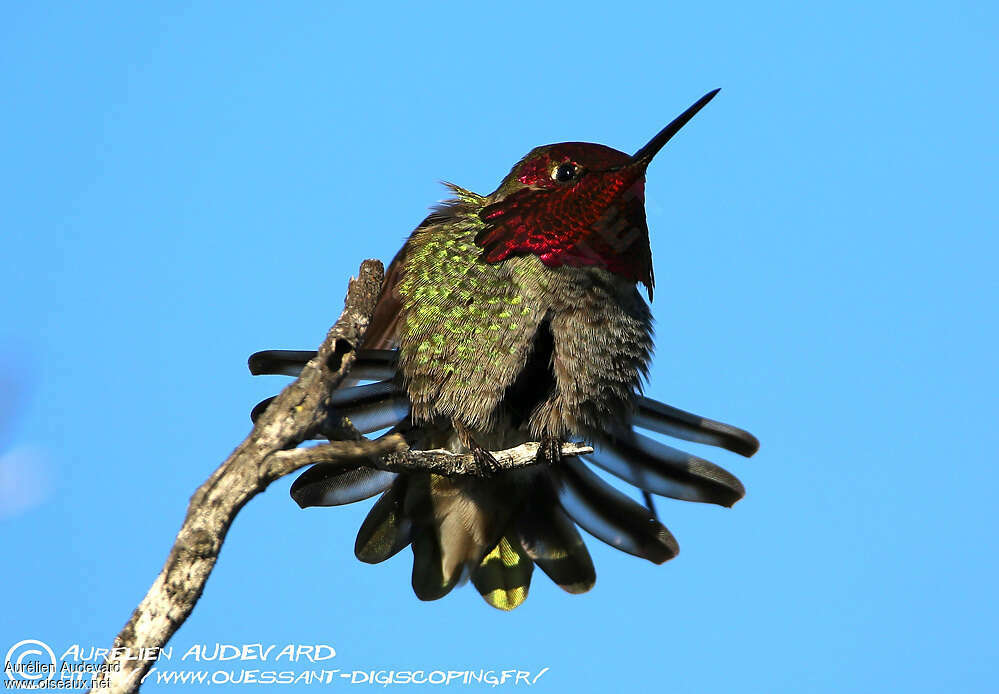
(578, 204)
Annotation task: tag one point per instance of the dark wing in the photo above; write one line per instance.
(384, 328)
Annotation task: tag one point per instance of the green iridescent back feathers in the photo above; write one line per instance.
(468, 328)
(465, 330)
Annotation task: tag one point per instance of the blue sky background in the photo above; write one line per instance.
(183, 185)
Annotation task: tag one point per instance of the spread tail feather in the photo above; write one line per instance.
(457, 528)
(660, 469)
(551, 540)
(610, 515)
(665, 419)
(495, 530)
(328, 484)
(369, 407)
(456, 523)
(503, 577)
(387, 528)
(279, 362)
(369, 364)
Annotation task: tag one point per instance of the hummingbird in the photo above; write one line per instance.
(514, 317)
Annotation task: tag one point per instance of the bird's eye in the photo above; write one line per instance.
(564, 173)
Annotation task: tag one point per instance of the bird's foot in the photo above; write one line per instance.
(485, 462)
(550, 451)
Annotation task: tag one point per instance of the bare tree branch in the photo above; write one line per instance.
(395, 458)
(349, 453)
(292, 418)
(301, 412)
(451, 464)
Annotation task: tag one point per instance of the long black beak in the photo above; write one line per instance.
(644, 155)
